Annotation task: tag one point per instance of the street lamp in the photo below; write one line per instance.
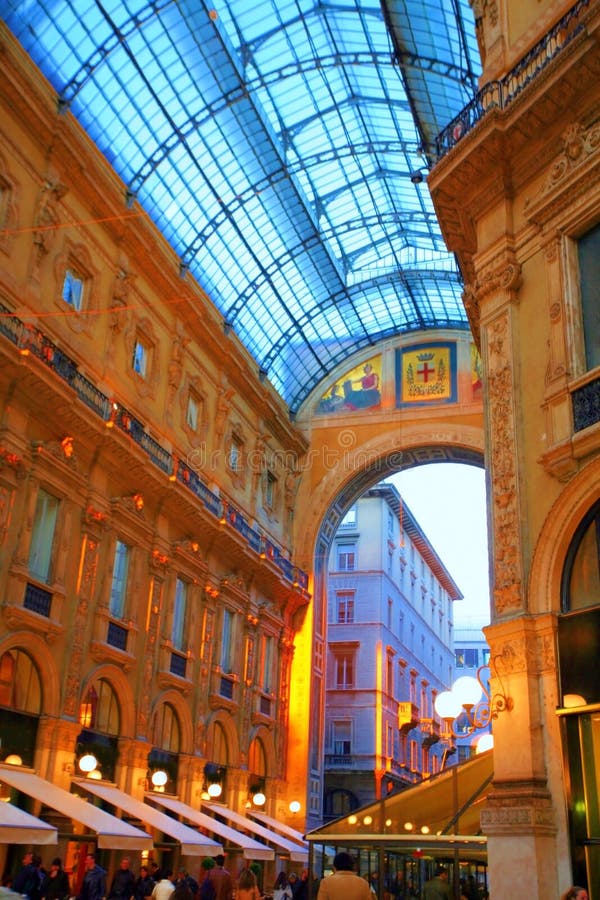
(470, 697)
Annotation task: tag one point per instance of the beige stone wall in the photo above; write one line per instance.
(528, 180)
(119, 470)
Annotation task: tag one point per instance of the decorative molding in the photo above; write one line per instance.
(571, 174)
(505, 511)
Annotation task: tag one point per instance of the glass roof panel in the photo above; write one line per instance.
(273, 143)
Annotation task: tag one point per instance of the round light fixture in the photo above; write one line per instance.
(95, 775)
(468, 690)
(447, 705)
(215, 790)
(13, 759)
(368, 820)
(485, 742)
(159, 778)
(87, 763)
(259, 799)
(295, 806)
(571, 701)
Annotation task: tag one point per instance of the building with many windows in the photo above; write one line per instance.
(389, 653)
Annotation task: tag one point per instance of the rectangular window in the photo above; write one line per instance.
(345, 607)
(466, 657)
(344, 670)
(42, 536)
(118, 588)
(349, 520)
(266, 663)
(226, 640)
(235, 454)
(141, 353)
(389, 676)
(73, 290)
(346, 557)
(178, 628)
(588, 248)
(341, 738)
(270, 489)
(191, 415)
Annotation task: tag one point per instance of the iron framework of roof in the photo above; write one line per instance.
(282, 148)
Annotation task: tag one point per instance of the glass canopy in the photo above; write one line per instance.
(282, 148)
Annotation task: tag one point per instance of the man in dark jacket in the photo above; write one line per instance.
(123, 883)
(94, 880)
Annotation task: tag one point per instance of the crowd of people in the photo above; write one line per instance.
(215, 882)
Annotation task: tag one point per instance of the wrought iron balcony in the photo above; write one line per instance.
(500, 94)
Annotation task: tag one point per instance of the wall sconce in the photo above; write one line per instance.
(465, 697)
(159, 779)
(13, 759)
(87, 763)
(295, 807)
(214, 776)
(256, 791)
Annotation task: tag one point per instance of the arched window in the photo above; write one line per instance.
(257, 758)
(581, 576)
(99, 709)
(20, 705)
(20, 684)
(216, 745)
(166, 736)
(166, 729)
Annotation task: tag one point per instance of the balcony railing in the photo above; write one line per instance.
(500, 94)
(116, 636)
(586, 405)
(30, 340)
(37, 600)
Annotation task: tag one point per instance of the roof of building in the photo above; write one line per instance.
(409, 524)
(282, 148)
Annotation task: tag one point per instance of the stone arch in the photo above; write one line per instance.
(40, 654)
(364, 465)
(120, 685)
(556, 535)
(184, 717)
(224, 719)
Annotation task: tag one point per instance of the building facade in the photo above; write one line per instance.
(389, 653)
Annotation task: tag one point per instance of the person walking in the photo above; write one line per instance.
(93, 886)
(145, 884)
(344, 884)
(221, 879)
(55, 885)
(123, 883)
(247, 888)
(163, 889)
(437, 888)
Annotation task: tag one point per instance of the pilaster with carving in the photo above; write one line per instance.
(94, 521)
(498, 285)
(148, 661)
(519, 808)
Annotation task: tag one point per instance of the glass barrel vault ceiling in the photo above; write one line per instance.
(272, 142)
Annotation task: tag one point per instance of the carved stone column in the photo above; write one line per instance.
(133, 766)
(497, 289)
(519, 816)
(94, 521)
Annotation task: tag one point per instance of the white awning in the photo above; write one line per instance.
(251, 849)
(18, 827)
(110, 831)
(290, 848)
(192, 842)
(278, 826)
